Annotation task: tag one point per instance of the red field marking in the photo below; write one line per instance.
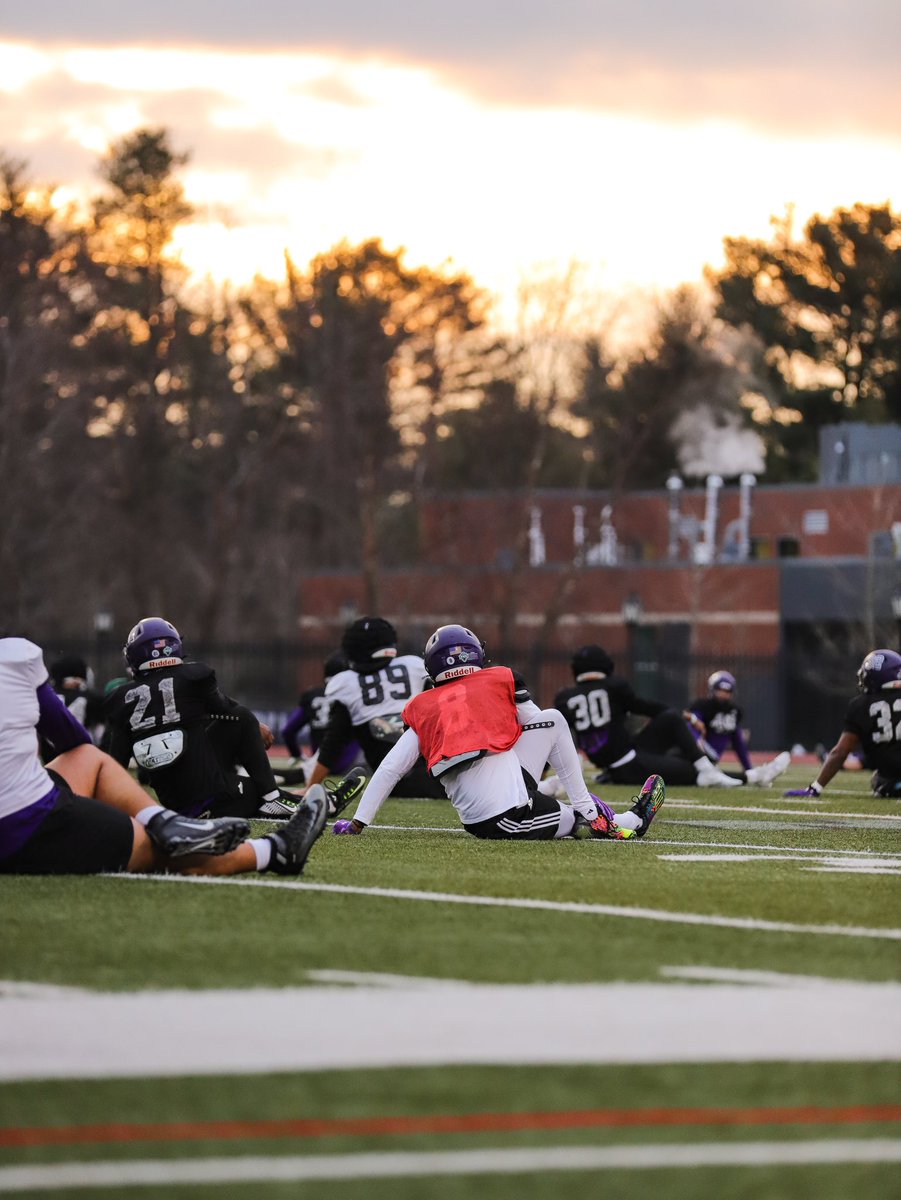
(184, 1131)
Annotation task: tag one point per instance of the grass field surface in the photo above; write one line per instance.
(712, 1011)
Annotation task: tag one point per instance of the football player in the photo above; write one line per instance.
(486, 741)
(872, 727)
(716, 725)
(312, 714)
(598, 706)
(367, 701)
(201, 751)
(73, 682)
(84, 813)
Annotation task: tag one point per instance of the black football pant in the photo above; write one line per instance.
(666, 746)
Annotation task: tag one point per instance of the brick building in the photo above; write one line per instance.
(794, 581)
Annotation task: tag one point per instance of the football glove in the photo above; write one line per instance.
(343, 826)
(812, 789)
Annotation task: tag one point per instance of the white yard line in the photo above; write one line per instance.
(815, 850)
(430, 1164)
(833, 862)
(751, 924)
(817, 814)
(888, 854)
(181, 1032)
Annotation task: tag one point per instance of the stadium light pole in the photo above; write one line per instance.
(631, 611)
(896, 613)
(103, 624)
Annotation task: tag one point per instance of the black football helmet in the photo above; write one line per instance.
(68, 666)
(591, 660)
(369, 642)
(880, 669)
(334, 664)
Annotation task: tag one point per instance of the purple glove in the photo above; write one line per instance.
(604, 809)
(345, 827)
(808, 791)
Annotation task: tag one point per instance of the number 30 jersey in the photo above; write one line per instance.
(597, 711)
(367, 706)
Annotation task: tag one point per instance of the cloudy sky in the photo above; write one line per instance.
(502, 137)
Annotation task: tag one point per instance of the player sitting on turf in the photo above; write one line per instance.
(717, 728)
(84, 813)
(201, 751)
(487, 742)
(312, 715)
(597, 707)
(872, 726)
(366, 704)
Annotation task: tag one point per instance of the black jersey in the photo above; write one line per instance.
(597, 712)
(723, 720)
(875, 718)
(162, 719)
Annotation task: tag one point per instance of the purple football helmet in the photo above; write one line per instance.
(880, 669)
(153, 643)
(720, 681)
(452, 651)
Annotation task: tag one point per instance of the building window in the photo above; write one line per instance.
(816, 520)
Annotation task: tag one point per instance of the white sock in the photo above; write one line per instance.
(628, 820)
(703, 764)
(147, 814)
(586, 808)
(567, 821)
(262, 848)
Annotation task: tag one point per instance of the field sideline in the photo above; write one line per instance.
(423, 1014)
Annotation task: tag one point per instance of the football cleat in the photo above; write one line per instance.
(349, 789)
(281, 807)
(764, 775)
(883, 785)
(292, 844)
(604, 824)
(648, 801)
(711, 776)
(177, 836)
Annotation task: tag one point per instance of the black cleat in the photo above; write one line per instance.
(292, 844)
(280, 808)
(177, 836)
(648, 801)
(350, 788)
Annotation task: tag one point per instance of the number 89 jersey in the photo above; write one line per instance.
(374, 701)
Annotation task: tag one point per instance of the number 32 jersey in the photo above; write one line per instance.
(367, 707)
(875, 717)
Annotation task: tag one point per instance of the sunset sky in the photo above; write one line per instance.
(501, 137)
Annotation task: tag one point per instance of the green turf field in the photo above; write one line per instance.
(732, 897)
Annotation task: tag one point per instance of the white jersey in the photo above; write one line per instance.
(493, 784)
(23, 780)
(380, 693)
